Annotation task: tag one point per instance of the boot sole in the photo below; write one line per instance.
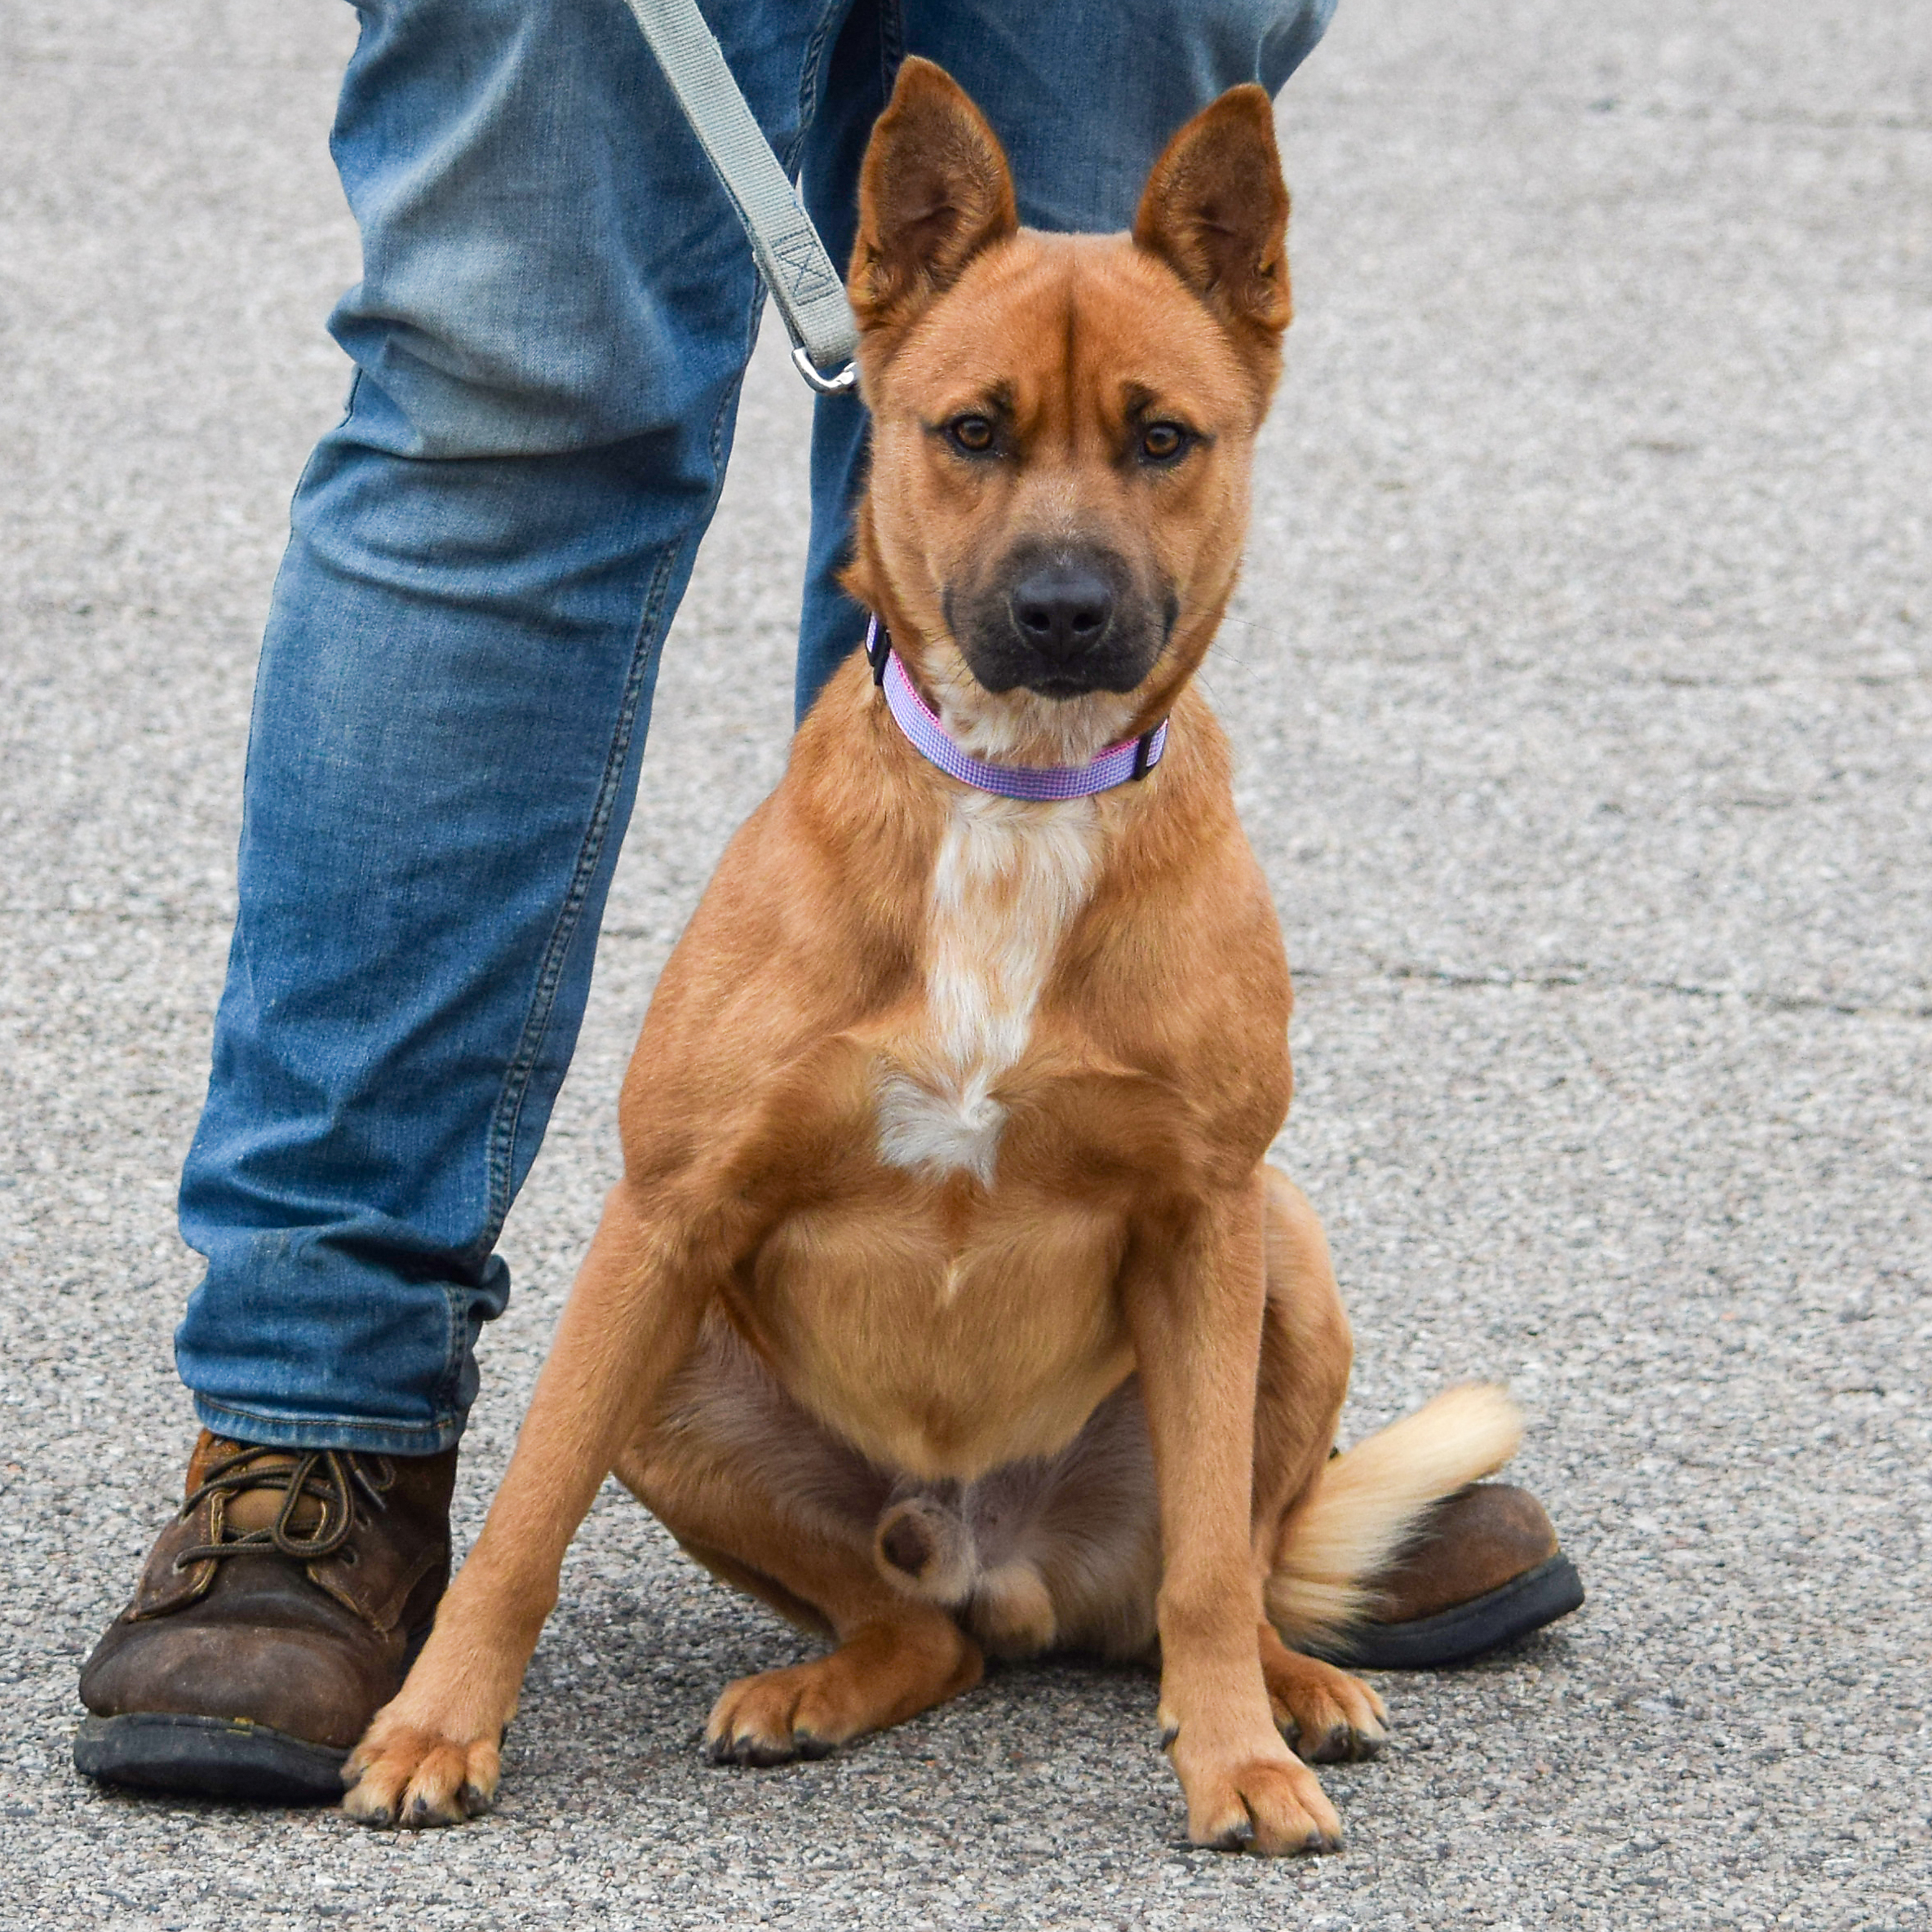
(208, 1758)
(1511, 1610)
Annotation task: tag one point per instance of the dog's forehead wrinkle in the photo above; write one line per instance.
(994, 324)
(1070, 333)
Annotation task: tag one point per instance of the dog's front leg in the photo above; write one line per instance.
(1194, 1286)
(430, 1755)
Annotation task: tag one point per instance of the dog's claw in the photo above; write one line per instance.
(1337, 1743)
(757, 1753)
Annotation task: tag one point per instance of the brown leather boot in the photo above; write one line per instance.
(1484, 1571)
(276, 1614)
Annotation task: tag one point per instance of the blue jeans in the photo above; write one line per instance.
(554, 316)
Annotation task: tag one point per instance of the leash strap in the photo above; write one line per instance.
(809, 290)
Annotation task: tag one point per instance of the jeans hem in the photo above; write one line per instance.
(329, 1431)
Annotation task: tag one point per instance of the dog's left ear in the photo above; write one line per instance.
(1215, 210)
(934, 191)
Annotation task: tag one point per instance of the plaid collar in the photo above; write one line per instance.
(1132, 758)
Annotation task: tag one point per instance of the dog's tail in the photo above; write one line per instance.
(1365, 1507)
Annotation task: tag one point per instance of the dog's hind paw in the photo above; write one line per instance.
(1326, 1714)
(884, 1674)
(777, 1715)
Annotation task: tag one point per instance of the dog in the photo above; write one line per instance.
(948, 1303)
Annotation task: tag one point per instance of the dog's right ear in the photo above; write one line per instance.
(1215, 210)
(935, 190)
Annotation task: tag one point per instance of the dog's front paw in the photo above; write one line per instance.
(1272, 1804)
(1275, 1806)
(401, 1774)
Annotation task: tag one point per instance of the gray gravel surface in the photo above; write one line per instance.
(1580, 683)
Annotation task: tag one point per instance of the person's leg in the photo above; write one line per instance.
(555, 311)
(1085, 94)
(556, 308)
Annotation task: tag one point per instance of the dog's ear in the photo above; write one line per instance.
(1215, 210)
(934, 191)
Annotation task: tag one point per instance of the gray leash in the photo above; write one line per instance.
(807, 288)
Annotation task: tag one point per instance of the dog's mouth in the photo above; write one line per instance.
(1059, 688)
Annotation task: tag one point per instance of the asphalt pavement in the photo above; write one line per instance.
(1579, 682)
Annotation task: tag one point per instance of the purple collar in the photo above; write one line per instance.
(1132, 758)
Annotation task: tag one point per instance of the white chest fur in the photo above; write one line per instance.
(1011, 877)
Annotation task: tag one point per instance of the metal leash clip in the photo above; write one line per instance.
(846, 379)
(809, 292)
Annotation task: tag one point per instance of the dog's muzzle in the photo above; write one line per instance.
(1061, 621)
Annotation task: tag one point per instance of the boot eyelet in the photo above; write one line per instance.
(347, 1555)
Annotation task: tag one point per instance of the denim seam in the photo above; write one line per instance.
(507, 1115)
(891, 43)
(808, 82)
(516, 1078)
(509, 1109)
(455, 1328)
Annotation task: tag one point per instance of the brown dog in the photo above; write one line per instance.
(947, 1303)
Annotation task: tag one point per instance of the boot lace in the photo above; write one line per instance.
(335, 1479)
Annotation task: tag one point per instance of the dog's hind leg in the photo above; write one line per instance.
(1325, 1530)
(770, 1504)
(895, 1657)
(1325, 1714)
(890, 1666)
(1306, 1353)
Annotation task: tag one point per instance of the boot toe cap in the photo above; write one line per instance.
(1472, 1542)
(293, 1681)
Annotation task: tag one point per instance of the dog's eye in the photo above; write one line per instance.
(1162, 442)
(970, 433)
(974, 434)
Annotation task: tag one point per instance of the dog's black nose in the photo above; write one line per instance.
(1062, 610)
